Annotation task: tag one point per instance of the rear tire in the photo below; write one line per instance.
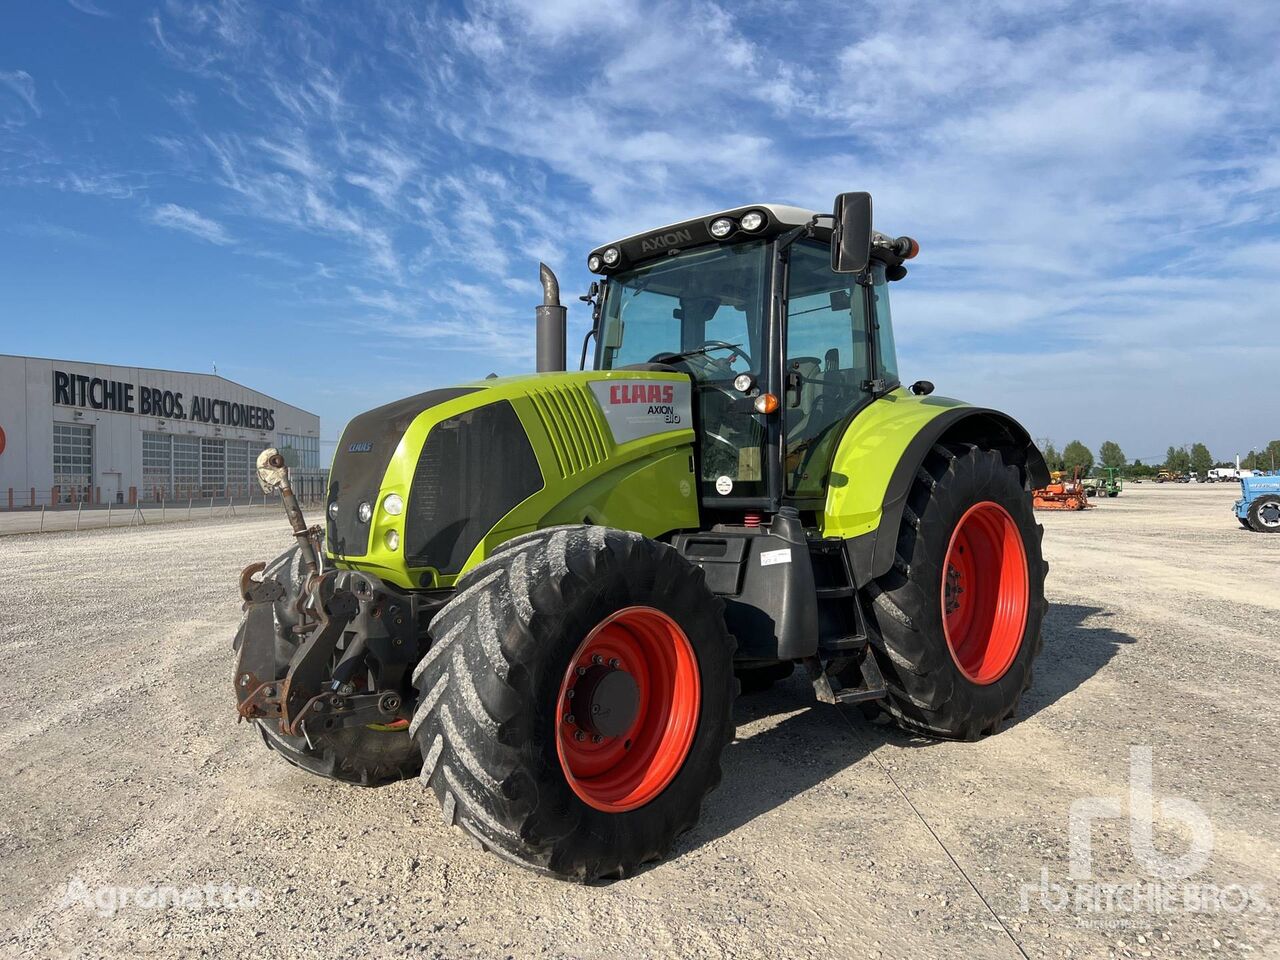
(1264, 515)
(964, 687)
(501, 754)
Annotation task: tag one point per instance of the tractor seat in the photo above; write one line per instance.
(809, 369)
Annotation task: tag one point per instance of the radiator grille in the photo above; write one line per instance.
(568, 415)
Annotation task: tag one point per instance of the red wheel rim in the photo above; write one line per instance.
(984, 592)
(629, 769)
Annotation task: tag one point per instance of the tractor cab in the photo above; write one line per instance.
(755, 307)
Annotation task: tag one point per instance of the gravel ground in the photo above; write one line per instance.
(830, 836)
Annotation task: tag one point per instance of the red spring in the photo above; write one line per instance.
(751, 520)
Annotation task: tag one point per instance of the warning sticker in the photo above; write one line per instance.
(770, 557)
(724, 485)
(641, 408)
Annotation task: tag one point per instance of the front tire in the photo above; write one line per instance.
(956, 621)
(575, 701)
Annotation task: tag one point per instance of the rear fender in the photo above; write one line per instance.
(878, 459)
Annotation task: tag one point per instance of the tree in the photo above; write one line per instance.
(1076, 454)
(1177, 460)
(1052, 459)
(1270, 458)
(1110, 454)
(1201, 459)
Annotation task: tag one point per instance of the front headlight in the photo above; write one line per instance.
(393, 540)
(393, 504)
(752, 221)
(721, 228)
(611, 256)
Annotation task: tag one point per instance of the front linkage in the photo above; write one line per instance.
(320, 650)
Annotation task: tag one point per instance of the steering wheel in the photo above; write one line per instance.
(667, 357)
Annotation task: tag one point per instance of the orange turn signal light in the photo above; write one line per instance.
(766, 403)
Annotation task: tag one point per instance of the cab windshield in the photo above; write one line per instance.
(702, 312)
(706, 304)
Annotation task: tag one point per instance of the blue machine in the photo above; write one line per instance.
(1259, 508)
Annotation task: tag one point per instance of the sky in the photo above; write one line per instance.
(342, 204)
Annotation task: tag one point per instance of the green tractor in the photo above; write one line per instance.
(1105, 482)
(541, 594)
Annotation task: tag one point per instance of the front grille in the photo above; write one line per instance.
(567, 415)
(361, 461)
(474, 468)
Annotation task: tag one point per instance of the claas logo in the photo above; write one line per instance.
(642, 393)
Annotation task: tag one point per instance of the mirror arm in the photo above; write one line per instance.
(582, 364)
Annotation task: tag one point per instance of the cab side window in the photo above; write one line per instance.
(887, 354)
(828, 344)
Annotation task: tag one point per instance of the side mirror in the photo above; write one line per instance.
(922, 388)
(851, 237)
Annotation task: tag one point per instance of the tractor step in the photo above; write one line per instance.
(860, 695)
(835, 593)
(827, 691)
(841, 645)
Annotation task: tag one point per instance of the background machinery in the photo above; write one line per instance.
(1106, 482)
(541, 594)
(1258, 508)
(1062, 494)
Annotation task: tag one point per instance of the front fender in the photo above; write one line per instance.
(878, 458)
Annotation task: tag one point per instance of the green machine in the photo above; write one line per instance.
(541, 594)
(1106, 482)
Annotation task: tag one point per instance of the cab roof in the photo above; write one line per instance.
(695, 232)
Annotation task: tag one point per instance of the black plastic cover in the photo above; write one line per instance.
(765, 576)
(361, 461)
(473, 469)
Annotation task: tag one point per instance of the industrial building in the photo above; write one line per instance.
(97, 433)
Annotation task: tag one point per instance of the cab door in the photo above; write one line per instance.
(830, 364)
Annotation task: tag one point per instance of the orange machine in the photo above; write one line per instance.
(1061, 494)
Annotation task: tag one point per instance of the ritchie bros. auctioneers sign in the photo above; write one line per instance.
(117, 396)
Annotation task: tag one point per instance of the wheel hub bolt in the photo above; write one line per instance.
(615, 663)
(597, 738)
(569, 695)
(569, 718)
(582, 671)
(597, 659)
(579, 735)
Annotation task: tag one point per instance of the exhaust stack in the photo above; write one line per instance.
(551, 323)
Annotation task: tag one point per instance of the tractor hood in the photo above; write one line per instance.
(1259, 484)
(419, 487)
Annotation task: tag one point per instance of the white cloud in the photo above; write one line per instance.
(21, 83)
(86, 6)
(176, 217)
